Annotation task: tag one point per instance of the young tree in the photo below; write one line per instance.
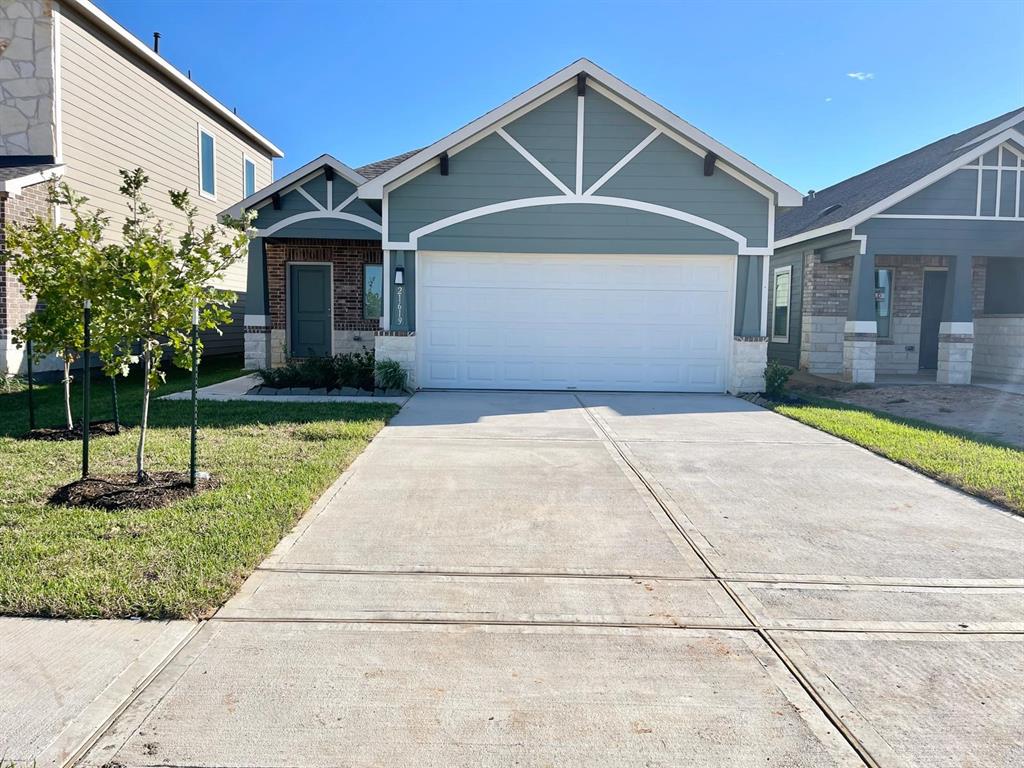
(159, 280)
(59, 266)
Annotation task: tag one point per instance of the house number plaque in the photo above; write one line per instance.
(398, 303)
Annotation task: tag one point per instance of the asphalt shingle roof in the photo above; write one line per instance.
(373, 170)
(9, 172)
(864, 190)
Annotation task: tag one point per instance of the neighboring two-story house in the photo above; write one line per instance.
(82, 98)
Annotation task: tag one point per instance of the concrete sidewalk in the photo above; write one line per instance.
(61, 682)
(608, 580)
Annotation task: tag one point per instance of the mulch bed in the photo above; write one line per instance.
(122, 492)
(56, 434)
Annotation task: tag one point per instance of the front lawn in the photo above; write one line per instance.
(272, 459)
(969, 462)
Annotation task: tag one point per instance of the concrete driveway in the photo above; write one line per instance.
(608, 580)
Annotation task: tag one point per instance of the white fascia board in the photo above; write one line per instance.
(787, 195)
(136, 46)
(899, 196)
(14, 186)
(295, 178)
(996, 130)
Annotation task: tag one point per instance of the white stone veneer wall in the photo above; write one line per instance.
(352, 341)
(400, 348)
(821, 343)
(892, 355)
(999, 348)
(749, 358)
(26, 78)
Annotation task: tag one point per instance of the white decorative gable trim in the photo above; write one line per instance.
(606, 84)
(962, 162)
(295, 180)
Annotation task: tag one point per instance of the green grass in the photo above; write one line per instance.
(963, 460)
(273, 460)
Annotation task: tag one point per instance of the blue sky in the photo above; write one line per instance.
(367, 80)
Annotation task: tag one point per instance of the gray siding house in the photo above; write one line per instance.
(82, 98)
(914, 266)
(579, 236)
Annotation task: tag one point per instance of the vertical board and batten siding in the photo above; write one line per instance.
(787, 353)
(115, 113)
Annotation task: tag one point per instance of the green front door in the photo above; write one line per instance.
(310, 310)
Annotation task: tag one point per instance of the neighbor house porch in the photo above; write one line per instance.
(848, 309)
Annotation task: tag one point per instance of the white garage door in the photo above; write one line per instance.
(529, 321)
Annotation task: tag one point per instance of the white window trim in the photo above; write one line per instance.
(788, 270)
(200, 130)
(255, 185)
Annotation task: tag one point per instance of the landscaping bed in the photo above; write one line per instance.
(270, 461)
(973, 463)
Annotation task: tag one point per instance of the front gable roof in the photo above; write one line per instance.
(854, 200)
(294, 179)
(496, 118)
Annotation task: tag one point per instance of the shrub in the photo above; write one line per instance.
(775, 377)
(10, 384)
(354, 369)
(391, 375)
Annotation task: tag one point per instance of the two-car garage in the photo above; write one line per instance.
(569, 321)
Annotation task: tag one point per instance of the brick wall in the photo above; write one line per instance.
(347, 258)
(17, 209)
(826, 286)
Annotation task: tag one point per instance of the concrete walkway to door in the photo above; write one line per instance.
(608, 580)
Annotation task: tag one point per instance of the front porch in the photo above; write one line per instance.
(948, 319)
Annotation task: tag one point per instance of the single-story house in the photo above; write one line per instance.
(579, 236)
(914, 266)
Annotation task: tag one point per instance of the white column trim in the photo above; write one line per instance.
(957, 328)
(861, 326)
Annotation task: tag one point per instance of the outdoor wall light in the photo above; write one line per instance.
(399, 275)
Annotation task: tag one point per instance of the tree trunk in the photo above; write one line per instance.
(68, 418)
(140, 454)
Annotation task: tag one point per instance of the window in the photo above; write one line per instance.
(207, 165)
(373, 295)
(883, 302)
(780, 304)
(248, 176)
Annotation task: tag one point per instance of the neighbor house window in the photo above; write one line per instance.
(373, 294)
(207, 164)
(248, 177)
(780, 304)
(883, 302)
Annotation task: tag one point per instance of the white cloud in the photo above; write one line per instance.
(828, 98)
(861, 75)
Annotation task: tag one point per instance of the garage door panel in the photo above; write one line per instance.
(579, 322)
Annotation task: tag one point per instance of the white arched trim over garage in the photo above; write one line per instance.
(613, 202)
(321, 214)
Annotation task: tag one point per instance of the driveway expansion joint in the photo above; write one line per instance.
(776, 649)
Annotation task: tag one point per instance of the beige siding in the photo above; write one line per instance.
(117, 114)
